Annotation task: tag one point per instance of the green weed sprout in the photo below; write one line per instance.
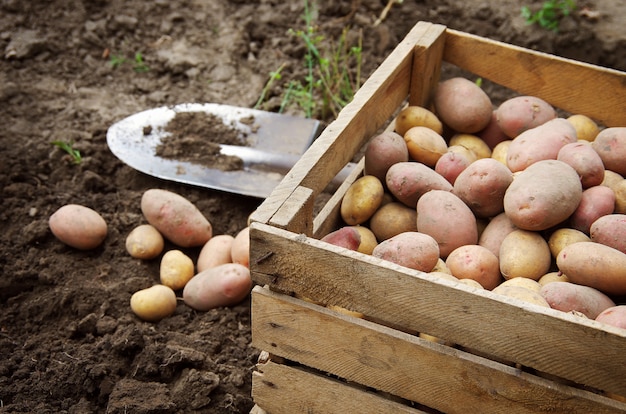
(550, 13)
(140, 65)
(74, 154)
(117, 61)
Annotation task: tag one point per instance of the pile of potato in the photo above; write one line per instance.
(220, 277)
(507, 198)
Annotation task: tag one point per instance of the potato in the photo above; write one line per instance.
(368, 240)
(611, 179)
(441, 267)
(176, 218)
(414, 250)
(482, 186)
(223, 285)
(492, 134)
(382, 152)
(610, 144)
(523, 294)
(473, 143)
(215, 252)
(407, 181)
(610, 230)
(524, 282)
(154, 303)
(176, 269)
(543, 195)
(614, 316)
(585, 161)
(347, 237)
(596, 202)
(472, 283)
(361, 200)
(540, 143)
(521, 113)
(594, 265)
(425, 145)
(240, 250)
(475, 262)
(501, 150)
(446, 218)
(462, 105)
(391, 219)
(456, 159)
(412, 116)
(563, 237)
(552, 277)
(144, 242)
(78, 226)
(620, 197)
(568, 297)
(524, 254)
(497, 229)
(586, 128)
(443, 275)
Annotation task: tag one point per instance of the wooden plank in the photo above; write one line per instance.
(296, 212)
(371, 109)
(573, 86)
(544, 339)
(282, 389)
(427, 59)
(404, 365)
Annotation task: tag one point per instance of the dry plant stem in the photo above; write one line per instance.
(383, 14)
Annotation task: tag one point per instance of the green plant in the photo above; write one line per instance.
(550, 14)
(116, 61)
(68, 147)
(140, 65)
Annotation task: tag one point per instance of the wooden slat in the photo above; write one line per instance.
(404, 365)
(427, 59)
(544, 339)
(282, 389)
(295, 214)
(573, 86)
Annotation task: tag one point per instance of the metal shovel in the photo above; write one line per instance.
(275, 143)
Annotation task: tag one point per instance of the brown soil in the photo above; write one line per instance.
(68, 340)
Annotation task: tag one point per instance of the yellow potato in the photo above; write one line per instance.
(523, 294)
(552, 277)
(524, 282)
(78, 226)
(473, 143)
(500, 151)
(368, 240)
(586, 128)
(144, 242)
(472, 283)
(563, 237)
(412, 116)
(620, 197)
(391, 219)
(524, 254)
(425, 145)
(176, 269)
(361, 200)
(443, 275)
(154, 303)
(441, 267)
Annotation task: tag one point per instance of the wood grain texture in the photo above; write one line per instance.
(404, 365)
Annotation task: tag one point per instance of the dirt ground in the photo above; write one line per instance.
(69, 342)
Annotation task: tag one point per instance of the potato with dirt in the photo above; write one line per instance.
(610, 144)
(78, 226)
(462, 105)
(361, 200)
(414, 250)
(176, 269)
(144, 242)
(408, 181)
(521, 113)
(382, 152)
(223, 285)
(154, 303)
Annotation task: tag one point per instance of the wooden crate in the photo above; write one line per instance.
(508, 356)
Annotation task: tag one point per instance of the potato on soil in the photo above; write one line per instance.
(223, 285)
(543, 195)
(594, 265)
(412, 116)
(144, 242)
(154, 303)
(521, 113)
(563, 237)
(523, 294)
(568, 297)
(447, 219)
(456, 159)
(462, 105)
(391, 219)
(610, 230)
(176, 269)
(361, 200)
(240, 250)
(78, 226)
(382, 152)
(614, 316)
(524, 254)
(425, 145)
(215, 252)
(596, 202)
(473, 143)
(482, 186)
(408, 181)
(586, 128)
(176, 218)
(475, 262)
(496, 230)
(414, 250)
(610, 144)
(347, 237)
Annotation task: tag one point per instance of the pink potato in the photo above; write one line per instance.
(223, 285)
(176, 218)
(78, 226)
(596, 202)
(215, 252)
(382, 152)
(539, 143)
(411, 249)
(522, 113)
(408, 181)
(482, 186)
(240, 250)
(477, 263)
(614, 316)
(447, 219)
(496, 230)
(610, 230)
(585, 161)
(610, 144)
(455, 160)
(347, 237)
(462, 105)
(492, 134)
(568, 297)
